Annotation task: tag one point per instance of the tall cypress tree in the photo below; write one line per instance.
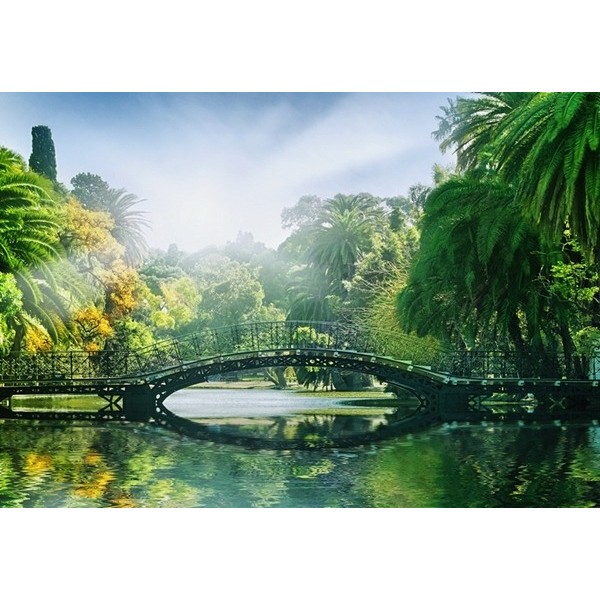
(43, 156)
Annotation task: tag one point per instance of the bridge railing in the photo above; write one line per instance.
(69, 366)
(504, 364)
(274, 335)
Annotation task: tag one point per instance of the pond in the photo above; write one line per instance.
(115, 464)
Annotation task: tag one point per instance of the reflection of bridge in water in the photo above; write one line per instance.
(134, 385)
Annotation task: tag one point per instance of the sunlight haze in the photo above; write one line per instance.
(211, 165)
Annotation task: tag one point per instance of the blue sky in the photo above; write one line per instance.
(211, 164)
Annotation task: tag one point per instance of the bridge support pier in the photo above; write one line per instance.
(138, 404)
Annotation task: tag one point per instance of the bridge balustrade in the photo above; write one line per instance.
(274, 336)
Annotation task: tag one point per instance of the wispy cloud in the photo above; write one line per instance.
(210, 168)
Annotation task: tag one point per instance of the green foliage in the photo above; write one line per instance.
(587, 340)
(303, 214)
(269, 266)
(128, 222)
(31, 217)
(231, 293)
(91, 190)
(470, 126)
(43, 154)
(161, 267)
(11, 304)
(176, 305)
(311, 297)
(544, 149)
(344, 246)
(476, 273)
(312, 376)
(547, 145)
(131, 335)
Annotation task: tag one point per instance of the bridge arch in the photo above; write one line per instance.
(402, 375)
(424, 390)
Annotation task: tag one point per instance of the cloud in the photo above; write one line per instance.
(212, 165)
(224, 172)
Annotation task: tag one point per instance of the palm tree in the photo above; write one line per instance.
(29, 245)
(343, 233)
(311, 296)
(545, 144)
(28, 227)
(551, 147)
(471, 125)
(546, 148)
(95, 194)
(476, 274)
(129, 224)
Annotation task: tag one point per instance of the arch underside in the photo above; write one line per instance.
(425, 391)
(383, 369)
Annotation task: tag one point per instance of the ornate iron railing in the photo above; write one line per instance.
(173, 353)
(283, 335)
(501, 364)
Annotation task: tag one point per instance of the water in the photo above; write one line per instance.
(483, 464)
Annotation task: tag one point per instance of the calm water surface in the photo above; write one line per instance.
(131, 465)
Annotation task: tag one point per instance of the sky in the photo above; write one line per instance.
(210, 165)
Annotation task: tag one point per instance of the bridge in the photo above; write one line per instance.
(135, 385)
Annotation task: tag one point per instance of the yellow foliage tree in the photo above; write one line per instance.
(87, 234)
(121, 284)
(95, 251)
(36, 339)
(93, 328)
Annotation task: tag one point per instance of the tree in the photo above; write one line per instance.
(28, 219)
(30, 249)
(269, 266)
(230, 292)
(551, 147)
(128, 222)
(91, 190)
(114, 286)
(11, 304)
(545, 144)
(407, 210)
(338, 243)
(311, 297)
(471, 126)
(303, 214)
(476, 277)
(43, 155)
(343, 247)
(546, 147)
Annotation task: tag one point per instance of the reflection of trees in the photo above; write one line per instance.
(509, 467)
(124, 466)
(406, 475)
(121, 465)
(83, 467)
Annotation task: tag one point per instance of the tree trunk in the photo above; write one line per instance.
(277, 376)
(567, 344)
(18, 340)
(514, 331)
